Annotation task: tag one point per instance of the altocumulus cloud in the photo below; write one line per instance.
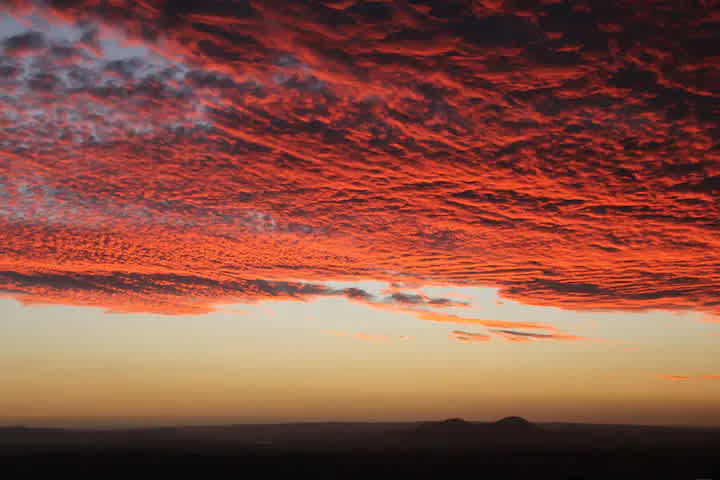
(545, 149)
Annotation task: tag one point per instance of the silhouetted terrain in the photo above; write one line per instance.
(509, 447)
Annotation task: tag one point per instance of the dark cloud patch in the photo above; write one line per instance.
(174, 293)
(64, 52)
(91, 39)
(411, 299)
(179, 10)
(708, 185)
(371, 11)
(27, 282)
(44, 82)
(24, 43)
(126, 67)
(204, 79)
(447, 302)
(357, 294)
(498, 31)
(9, 70)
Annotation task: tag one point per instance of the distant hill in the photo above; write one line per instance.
(451, 426)
(449, 431)
(515, 425)
(462, 428)
(450, 435)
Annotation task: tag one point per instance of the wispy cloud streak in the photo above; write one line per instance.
(469, 337)
(682, 378)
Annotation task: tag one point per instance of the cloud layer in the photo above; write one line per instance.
(565, 153)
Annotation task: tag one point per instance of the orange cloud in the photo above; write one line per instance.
(516, 336)
(469, 337)
(541, 151)
(371, 337)
(450, 318)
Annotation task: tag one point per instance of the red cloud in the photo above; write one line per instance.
(543, 152)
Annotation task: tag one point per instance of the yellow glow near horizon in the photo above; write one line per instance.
(277, 362)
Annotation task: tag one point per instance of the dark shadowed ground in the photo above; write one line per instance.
(509, 448)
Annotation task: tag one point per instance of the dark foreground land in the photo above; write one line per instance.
(511, 448)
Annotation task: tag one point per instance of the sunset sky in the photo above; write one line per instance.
(246, 211)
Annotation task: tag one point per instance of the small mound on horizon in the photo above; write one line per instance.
(450, 425)
(516, 424)
(455, 422)
(508, 427)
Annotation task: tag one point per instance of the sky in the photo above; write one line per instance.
(245, 211)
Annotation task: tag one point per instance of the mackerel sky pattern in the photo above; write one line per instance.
(563, 152)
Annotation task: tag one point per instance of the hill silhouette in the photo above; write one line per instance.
(462, 429)
(515, 425)
(510, 447)
(451, 426)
